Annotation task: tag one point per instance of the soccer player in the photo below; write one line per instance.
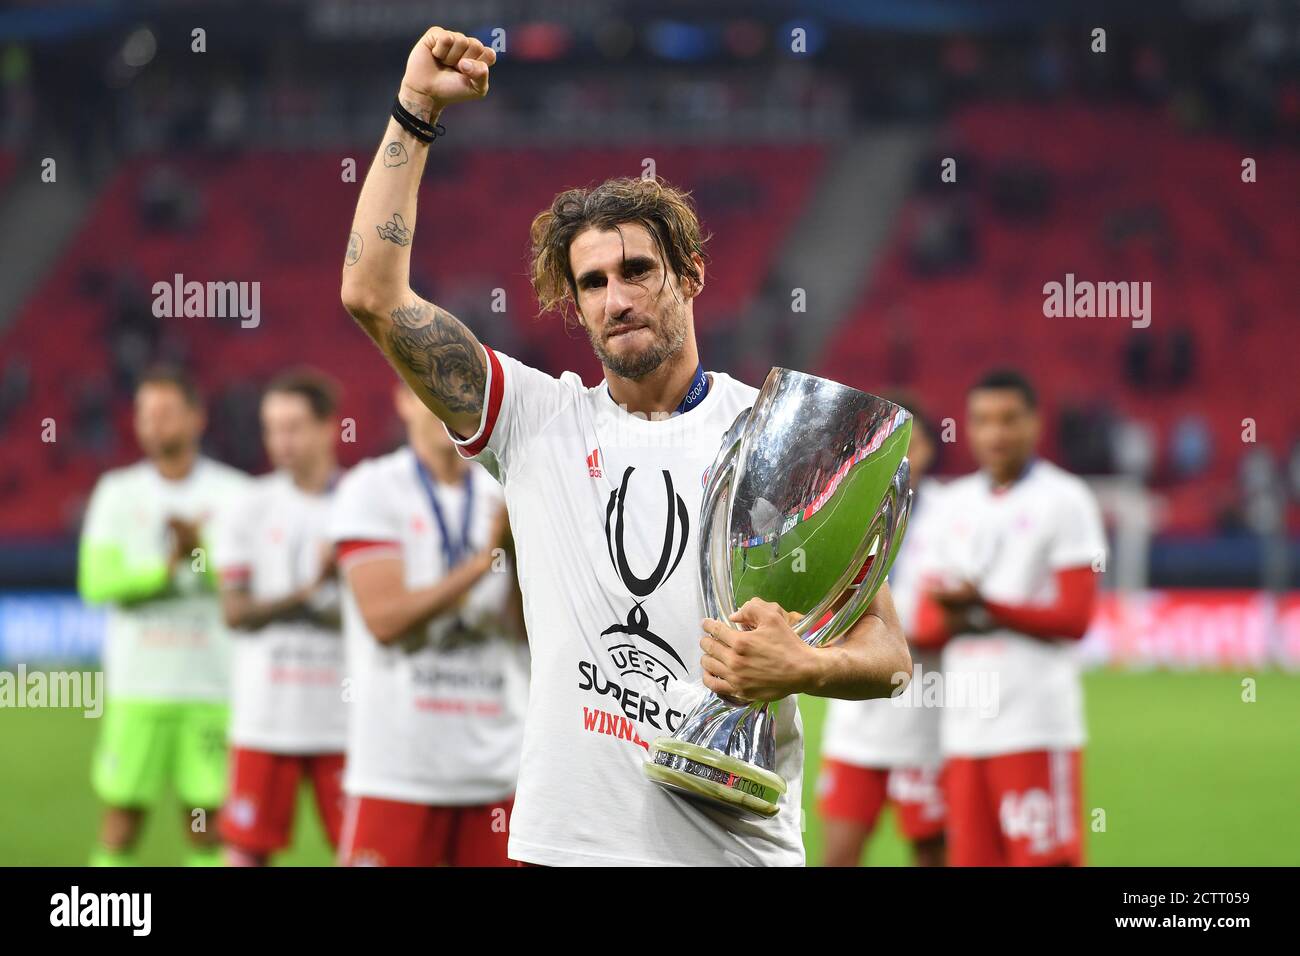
(435, 656)
(1022, 540)
(887, 751)
(280, 597)
(144, 554)
(604, 486)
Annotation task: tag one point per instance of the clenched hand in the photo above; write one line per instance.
(765, 662)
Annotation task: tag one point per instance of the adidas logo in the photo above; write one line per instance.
(593, 464)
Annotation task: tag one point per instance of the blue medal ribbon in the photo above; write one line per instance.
(695, 394)
(454, 550)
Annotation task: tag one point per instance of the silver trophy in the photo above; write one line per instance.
(810, 486)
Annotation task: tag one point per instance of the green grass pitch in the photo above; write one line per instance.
(1186, 772)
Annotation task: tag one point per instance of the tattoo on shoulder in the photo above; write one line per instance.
(437, 347)
(395, 154)
(395, 230)
(355, 245)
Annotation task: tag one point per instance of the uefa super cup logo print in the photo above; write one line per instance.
(677, 528)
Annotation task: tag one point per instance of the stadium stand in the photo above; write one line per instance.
(206, 217)
(8, 163)
(1206, 340)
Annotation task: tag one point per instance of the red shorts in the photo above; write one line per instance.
(1021, 809)
(858, 794)
(379, 832)
(258, 815)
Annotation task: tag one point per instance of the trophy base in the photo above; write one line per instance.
(714, 776)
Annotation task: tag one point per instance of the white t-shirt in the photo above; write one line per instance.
(287, 691)
(899, 731)
(435, 718)
(604, 507)
(1016, 693)
(174, 647)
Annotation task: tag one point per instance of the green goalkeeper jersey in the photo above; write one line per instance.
(165, 638)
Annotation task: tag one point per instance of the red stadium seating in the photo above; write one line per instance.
(8, 166)
(1103, 163)
(282, 219)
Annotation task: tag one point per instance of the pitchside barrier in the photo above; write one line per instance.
(1178, 629)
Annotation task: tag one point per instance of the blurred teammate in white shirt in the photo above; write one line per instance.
(280, 595)
(1022, 540)
(435, 655)
(887, 751)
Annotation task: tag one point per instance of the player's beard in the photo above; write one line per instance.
(669, 337)
(166, 449)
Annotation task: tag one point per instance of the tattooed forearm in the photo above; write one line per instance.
(395, 154)
(395, 230)
(420, 107)
(443, 354)
(355, 245)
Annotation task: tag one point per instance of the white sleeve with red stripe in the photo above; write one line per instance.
(363, 521)
(518, 402)
(353, 551)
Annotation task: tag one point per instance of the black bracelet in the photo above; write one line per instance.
(424, 132)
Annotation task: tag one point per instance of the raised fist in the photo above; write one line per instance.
(446, 67)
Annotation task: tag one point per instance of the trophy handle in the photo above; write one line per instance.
(886, 532)
(715, 579)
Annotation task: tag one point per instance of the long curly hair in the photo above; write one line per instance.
(665, 211)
